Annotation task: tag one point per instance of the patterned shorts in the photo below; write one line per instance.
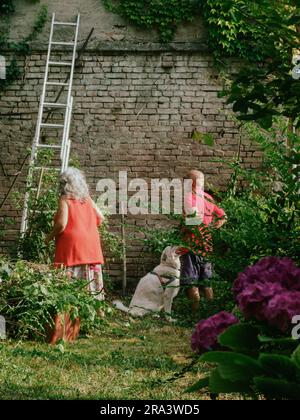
(195, 271)
(92, 273)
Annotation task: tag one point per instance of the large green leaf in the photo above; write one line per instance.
(294, 20)
(234, 366)
(241, 106)
(280, 366)
(203, 383)
(266, 122)
(241, 338)
(294, 159)
(285, 343)
(218, 385)
(277, 388)
(296, 357)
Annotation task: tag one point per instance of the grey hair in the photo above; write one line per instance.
(72, 183)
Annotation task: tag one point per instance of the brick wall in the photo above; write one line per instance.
(134, 111)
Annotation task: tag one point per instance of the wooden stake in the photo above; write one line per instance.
(124, 256)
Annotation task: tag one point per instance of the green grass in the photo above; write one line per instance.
(126, 359)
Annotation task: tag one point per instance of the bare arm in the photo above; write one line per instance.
(98, 212)
(60, 220)
(219, 223)
(220, 217)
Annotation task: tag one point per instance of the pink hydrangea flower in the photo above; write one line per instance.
(205, 336)
(270, 291)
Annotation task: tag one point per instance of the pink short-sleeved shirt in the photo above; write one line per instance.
(204, 203)
(209, 212)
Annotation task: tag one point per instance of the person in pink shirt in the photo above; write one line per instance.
(201, 212)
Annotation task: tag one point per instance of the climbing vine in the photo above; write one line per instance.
(163, 15)
(263, 33)
(240, 27)
(21, 48)
(6, 7)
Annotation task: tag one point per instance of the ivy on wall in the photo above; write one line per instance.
(165, 16)
(6, 7)
(21, 48)
(250, 29)
(261, 32)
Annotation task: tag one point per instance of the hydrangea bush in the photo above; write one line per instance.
(269, 291)
(205, 336)
(253, 364)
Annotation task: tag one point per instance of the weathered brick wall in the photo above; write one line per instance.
(130, 113)
(107, 26)
(137, 103)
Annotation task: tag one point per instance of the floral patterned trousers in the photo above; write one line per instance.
(92, 273)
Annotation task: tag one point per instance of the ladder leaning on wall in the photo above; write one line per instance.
(46, 106)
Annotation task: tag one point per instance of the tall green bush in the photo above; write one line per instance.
(263, 216)
(32, 294)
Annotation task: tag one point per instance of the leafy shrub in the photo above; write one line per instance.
(32, 294)
(112, 242)
(263, 215)
(156, 240)
(42, 205)
(223, 301)
(6, 7)
(259, 359)
(249, 369)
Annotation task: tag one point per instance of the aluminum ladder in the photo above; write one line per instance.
(64, 144)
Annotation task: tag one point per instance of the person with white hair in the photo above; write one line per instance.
(75, 230)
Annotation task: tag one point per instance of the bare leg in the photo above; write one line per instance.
(193, 294)
(209, 293)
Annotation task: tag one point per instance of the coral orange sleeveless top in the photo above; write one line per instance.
(79, 243)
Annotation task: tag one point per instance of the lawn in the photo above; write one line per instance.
(127, 359)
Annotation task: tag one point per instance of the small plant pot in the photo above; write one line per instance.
(64, 328)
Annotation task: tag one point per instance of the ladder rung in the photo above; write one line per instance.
(52, 125)
(62, 43)
(54, 105)
(65, 23)
(59, 63)
(49, 146)
(57, 84)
